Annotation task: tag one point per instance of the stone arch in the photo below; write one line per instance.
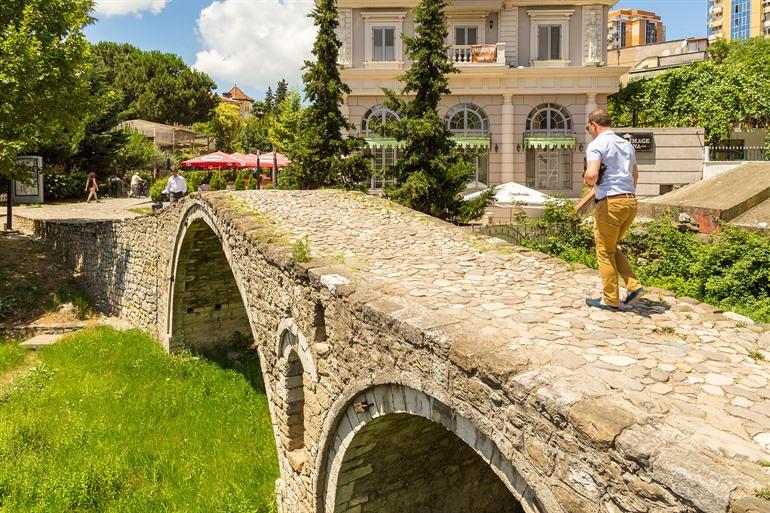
(206, 303)
(389, 415)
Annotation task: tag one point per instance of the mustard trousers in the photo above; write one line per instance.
(612, 218)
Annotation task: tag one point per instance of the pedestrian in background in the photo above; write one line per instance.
(611, 168)
(92, 188)
(176, 187)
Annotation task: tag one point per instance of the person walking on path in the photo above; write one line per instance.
(91, 187)
(611, 168)
(176, 187)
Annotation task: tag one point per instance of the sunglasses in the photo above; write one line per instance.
(588, 127)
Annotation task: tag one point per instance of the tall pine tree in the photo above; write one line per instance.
(431, 171)
(281, 91)
(327, 158)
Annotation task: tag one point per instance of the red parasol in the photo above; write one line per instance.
(216, 160)
(249, 161)
(266, 159)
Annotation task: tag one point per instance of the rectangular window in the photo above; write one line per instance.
(466, 36)
(384, 160)
(652, 33)
(622, 34)
(549, 42)
(549, 170)
(384, 44)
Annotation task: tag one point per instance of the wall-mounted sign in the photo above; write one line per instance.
(32, 191)
(641, 141)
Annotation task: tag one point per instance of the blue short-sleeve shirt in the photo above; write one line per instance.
(619, 157)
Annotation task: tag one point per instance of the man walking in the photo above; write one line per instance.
(611, 167)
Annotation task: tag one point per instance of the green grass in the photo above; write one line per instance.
(109, 422)
(11, 355)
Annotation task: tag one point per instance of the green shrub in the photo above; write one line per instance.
(729, 269)
(239, 186)
(60, 186)
(567, 233)
(156, 189)
(217, 182)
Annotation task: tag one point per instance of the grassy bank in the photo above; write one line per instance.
(109, 422)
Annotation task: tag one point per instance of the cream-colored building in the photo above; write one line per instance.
(531, 70)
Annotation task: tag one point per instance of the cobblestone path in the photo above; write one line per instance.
(664, 354)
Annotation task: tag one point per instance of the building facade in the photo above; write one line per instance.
(530, 72)
(632, 27)
(237, 97)
(738, 19)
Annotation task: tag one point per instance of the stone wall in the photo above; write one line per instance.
(372, 364)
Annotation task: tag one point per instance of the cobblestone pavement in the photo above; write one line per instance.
(109, 208)
(665, 354)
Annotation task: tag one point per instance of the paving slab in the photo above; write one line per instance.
(41, 341)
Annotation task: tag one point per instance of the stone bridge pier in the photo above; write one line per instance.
(413, 367)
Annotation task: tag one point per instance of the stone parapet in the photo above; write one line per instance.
(409, 323)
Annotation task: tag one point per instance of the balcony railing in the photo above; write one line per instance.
(477, 54)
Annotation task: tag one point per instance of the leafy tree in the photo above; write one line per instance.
(729, 90)
(432, 172)
(325, 157)
(225, 126)
(285, 129)
(156, 86)
(43, 74)
(137, 153)
(255, 135)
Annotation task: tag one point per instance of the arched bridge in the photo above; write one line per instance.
(413, 367)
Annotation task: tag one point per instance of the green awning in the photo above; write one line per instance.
(550, 143)
(462, 141)
(383, 142)
(472, 142)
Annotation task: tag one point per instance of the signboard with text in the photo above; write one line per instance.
(641, 141)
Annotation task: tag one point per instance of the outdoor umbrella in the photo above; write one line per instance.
(216, 160)
(250, 161)
(266, 159)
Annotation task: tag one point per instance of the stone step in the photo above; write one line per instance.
(40, 341)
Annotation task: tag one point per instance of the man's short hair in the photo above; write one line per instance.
(600, 116)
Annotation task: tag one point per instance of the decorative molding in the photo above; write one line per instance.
(592, 35)
(345, 35)
(549, 17)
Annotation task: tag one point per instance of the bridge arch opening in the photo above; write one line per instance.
(208, 314)
(396, 449)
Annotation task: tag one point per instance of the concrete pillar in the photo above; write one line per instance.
(506, 134)
(591, 103)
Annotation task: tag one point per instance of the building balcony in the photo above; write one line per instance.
(716, 10)
(475, 55)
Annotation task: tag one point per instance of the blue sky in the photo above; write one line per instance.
(255, 43)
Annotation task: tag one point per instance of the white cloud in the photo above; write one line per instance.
(255, 43)
(109, 8)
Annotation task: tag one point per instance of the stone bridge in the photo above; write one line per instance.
(413, 367)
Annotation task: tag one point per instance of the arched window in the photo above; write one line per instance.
(376, 117)
(467, 119)
(549, 119)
